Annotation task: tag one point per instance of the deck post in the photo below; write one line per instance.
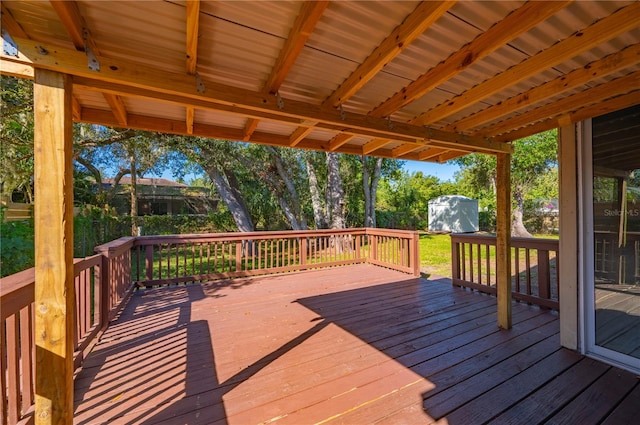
(503, 239)
(53, 222)
(414, 253)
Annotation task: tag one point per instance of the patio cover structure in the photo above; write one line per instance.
(427, 81)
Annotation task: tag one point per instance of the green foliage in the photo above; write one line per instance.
(534, 178)
(16, 245)
(403, 200)
(16, 132)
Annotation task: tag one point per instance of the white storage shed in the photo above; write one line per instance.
(453, 213)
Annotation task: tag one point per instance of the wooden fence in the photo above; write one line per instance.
(103, 283)
(534, 267)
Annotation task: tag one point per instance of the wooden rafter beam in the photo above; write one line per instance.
(117, 108)
(10, 25)
(131, 78)
(249, 128)
(623, 20)
(305, 124)
(193, 23)
(402, 36)
(69, 14)
(338, 141)
(519, 21)
(449, 155)
(190, 114)
(622, 85)
(76, 109)
(139, 122)
(605, 107)
(310, 14)
(374, 145)
(405, 149)
(576, 78)
(299, 134)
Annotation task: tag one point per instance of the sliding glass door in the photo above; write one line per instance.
(612, 237)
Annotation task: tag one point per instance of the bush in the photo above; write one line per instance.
(16, 246)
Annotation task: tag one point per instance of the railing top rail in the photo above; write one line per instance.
(517, 242)
(80, 264)
(17, 280)
(390, 232)
(116, 247)
(241, 236)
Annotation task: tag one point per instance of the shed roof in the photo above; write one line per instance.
(423, 81)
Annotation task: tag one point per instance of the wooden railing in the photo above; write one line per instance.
(173, 259)
(534, 267)
(101, 282)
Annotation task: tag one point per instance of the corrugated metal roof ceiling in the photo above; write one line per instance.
(240, 42)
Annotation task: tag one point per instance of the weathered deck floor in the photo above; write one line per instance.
(357, 345)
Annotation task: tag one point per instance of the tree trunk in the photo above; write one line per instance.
(134, 197)
(370, 188)
(227, 187)
(377, 172)
(517, 225)
(368, 220)
(335, 192)
(293, 193)
(319, 216)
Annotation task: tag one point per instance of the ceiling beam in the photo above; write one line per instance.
(602, 108)
(165, 85)
(69, 14)
(578, 77)
(402, 36)
(103, 117)
(405, 149)
(305, 23)
(623, 20)
(374, 145)
(10, 25)
(339, 140)
(299, 134)
(249, 128)
(307, 125)
(193, 24)
(190, 114)
(519, 21)
(117, 108)
(622, 85)
(76, 109)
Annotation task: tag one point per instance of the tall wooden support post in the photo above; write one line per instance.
(503, 239)
(53, 220)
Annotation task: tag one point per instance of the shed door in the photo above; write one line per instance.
(612, 243)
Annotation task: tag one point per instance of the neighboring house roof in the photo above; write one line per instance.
(146, 182)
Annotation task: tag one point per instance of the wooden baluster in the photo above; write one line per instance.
(527, 252)
(544, 284)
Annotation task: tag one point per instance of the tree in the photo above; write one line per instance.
(131, 152)
(533, 159)
(334, 193)
(16, 132)
(406, 197)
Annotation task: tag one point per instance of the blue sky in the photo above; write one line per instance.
(443, 172)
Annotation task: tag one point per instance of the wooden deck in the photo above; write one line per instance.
(357, 345)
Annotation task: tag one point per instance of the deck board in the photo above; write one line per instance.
(352, 345)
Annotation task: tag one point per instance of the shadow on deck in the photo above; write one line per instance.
(357, 344)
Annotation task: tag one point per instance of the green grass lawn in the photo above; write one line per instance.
(435, 254)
